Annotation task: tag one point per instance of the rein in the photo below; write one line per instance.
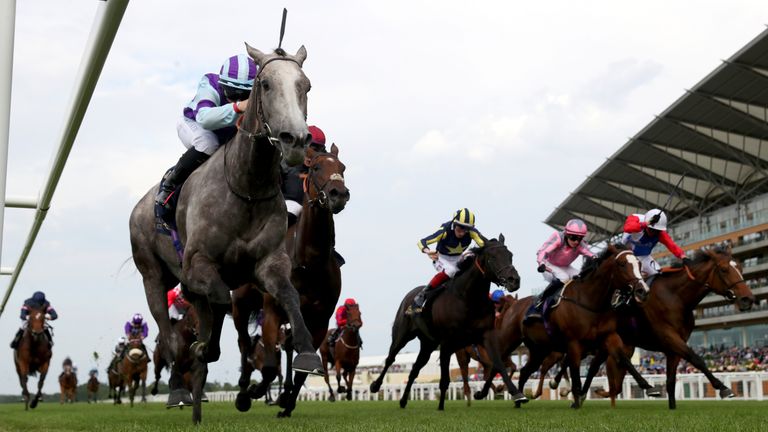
(341, 339)
(729, 294)
(597, 311)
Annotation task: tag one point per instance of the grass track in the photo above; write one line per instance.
(734, 416)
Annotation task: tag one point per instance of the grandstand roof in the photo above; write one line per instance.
(715, 135)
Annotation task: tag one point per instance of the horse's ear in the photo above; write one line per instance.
(501, 238)
(255, 54)
(301, 55)
(334, 150)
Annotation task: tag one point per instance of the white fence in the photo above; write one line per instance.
(746, 386)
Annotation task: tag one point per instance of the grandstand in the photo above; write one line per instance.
(707, 156)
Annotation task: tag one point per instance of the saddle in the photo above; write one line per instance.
(550, 303)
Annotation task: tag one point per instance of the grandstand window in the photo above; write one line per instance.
(725, 337)
(757, 336)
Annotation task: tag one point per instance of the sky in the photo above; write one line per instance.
(500, 107)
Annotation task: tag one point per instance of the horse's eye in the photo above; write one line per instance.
(264, 85)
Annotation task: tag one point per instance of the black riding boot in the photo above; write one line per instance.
(548, 292)
(188, 162)
(419, 300)
(17, 339)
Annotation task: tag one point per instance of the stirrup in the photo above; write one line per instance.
(413, 310)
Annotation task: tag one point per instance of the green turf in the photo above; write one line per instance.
(736, 416)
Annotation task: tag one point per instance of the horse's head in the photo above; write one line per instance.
(354, 319)
(495, 262)
(36, 321)
(280, 95)
(723, 275)
(624, 269)
(325, 180)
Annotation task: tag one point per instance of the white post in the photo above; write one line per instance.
(8, 22)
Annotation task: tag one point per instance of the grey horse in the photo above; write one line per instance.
(231, 218)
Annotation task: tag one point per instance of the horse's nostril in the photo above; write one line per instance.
(286, 137)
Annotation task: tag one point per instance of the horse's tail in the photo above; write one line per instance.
(126, 261)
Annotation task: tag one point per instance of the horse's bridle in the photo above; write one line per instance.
(322, 197)
(501, 281)
(729, 294)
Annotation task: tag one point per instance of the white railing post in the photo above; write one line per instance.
(7, 22)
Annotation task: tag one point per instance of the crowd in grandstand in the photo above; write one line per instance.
(719, 359)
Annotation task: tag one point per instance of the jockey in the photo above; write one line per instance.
(642, 232)
(341, 320)
(37, 301)
(496, 296)
(117, 352)
(137, 328)
(209, 119)
(555, 257)
(177, 304)
(293, 183)
(452, 238)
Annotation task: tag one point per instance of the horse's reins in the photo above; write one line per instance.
(264, 131)
(730, 295)
(499, 280)
(341, 339)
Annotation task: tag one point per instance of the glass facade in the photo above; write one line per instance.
(753, 336)
(722, 221)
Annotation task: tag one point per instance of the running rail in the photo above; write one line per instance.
(106, 23)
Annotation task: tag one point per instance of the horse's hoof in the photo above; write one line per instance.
(479, 395)
(519, 398)
(309, 363)
(349, 396)
(582, 399)
(726, 393)
(256, 391)
(553, 384)
(518, 405)
(283, 414)
(153, 392)
(332, 398)
(653, 392)
(179, 398)
(403, 403)
(33, 404)
(341, 389)
(243, 402)
(564, 391)
(375, 386)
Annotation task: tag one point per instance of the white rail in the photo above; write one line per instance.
(106, 23)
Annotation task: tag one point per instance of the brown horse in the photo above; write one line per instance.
(133, 368)
(346, 353)
(93, 387)
(115, 381)
(33, 355)
(480, 355)
(460, 315)
(185, 331)
(315, 274)
(68, 383)
(665, 321)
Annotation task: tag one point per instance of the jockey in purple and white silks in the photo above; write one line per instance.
(555, 257)
(209, 119)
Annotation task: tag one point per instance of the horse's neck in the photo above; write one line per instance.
(690, 291)
(595, 291)
(315, 234)
(251, 167)
(470, 281)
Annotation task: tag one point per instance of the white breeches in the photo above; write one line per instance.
(193, 135)
(564, 274)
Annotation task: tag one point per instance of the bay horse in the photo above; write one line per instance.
(33, 355)
(133, 368)
(346, 353)
(185, 330)
(666, 320)
(68, 383)
(584, 320)
(479, 354)
(115, 382)
(231, 218)
(315, 274)
(93, 386)
(460, 315)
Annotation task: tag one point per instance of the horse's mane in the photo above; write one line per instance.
(470, 259)
(590, 265)
(703, 255)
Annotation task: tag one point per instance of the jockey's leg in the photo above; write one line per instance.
(554, 285)
(188, 162)
(421, 297)
(17, 339)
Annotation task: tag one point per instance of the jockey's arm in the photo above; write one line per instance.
(52, 312)
(432, 238)
(24, 313)
(667, 241)
(478, 238)
(552, 243)
(633, 224)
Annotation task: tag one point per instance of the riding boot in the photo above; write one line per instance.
(17, 339)
(188, 162)
(548, 292)
(421, 298)
(48, 336)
